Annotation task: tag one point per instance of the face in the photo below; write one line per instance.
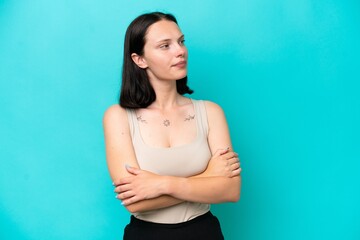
(165, 55)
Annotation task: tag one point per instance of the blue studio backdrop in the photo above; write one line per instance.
(285, 72)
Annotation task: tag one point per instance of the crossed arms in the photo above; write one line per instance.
(140, 190)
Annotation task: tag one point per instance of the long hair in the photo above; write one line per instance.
(136, 90)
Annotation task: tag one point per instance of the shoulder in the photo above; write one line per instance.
(209, 105)
(115, 113)
(213, 108)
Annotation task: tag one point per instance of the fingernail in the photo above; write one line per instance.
(113, 183)
(127, 165)
(122, 203)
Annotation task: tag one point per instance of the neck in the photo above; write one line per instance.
(166, 99)
(167, 96)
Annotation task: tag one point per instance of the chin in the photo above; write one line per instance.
(181, 76)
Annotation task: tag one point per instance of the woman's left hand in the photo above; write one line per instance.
(140, 186)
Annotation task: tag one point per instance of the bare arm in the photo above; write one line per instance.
(120, 151)
(204, 188)
(209, 189)
(147, 191)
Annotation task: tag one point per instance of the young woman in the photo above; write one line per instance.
(169, 156)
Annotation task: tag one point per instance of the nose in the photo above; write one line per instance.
(180, 50)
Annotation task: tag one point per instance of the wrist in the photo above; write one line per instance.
(167, 185)
(173, 185)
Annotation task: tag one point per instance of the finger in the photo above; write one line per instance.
(132, 170)
(236, 162)
(225, 150)
(129, 201)
(234, 166)
(125, 195)
(233, 160)
(122, 188)
(115, 182)
(122, 181)
(221, 151)
(236, 172)
(230, 154)
(234, 154)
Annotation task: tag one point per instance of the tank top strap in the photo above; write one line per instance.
(132, 120)
(200, 110)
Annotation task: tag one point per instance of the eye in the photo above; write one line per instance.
(164, 46)
(182, 42)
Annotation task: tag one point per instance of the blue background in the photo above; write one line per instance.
(285, 72)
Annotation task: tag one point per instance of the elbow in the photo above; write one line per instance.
(234, 193)
(137, 207)
(133, 208)
(230, 196)
(235, 197)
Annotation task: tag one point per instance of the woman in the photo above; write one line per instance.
(169, 156)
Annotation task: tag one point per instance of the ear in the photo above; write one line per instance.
(139, 60)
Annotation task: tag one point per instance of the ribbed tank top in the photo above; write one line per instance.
(182, 161)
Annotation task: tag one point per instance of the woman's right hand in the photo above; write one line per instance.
(224, 163)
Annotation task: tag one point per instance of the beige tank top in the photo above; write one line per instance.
(182, 161)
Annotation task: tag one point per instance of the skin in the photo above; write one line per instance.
(165, 61)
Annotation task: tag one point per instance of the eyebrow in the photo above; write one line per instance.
(168, 39)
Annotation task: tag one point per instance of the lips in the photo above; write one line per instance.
(180, 64)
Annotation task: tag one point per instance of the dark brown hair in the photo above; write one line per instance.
(136, 90)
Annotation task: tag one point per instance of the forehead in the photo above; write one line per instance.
(163, 29)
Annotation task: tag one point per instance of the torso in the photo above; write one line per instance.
(167, 128)
(181, 151)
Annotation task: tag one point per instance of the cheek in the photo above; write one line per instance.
(158, 61)
(156, 65)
